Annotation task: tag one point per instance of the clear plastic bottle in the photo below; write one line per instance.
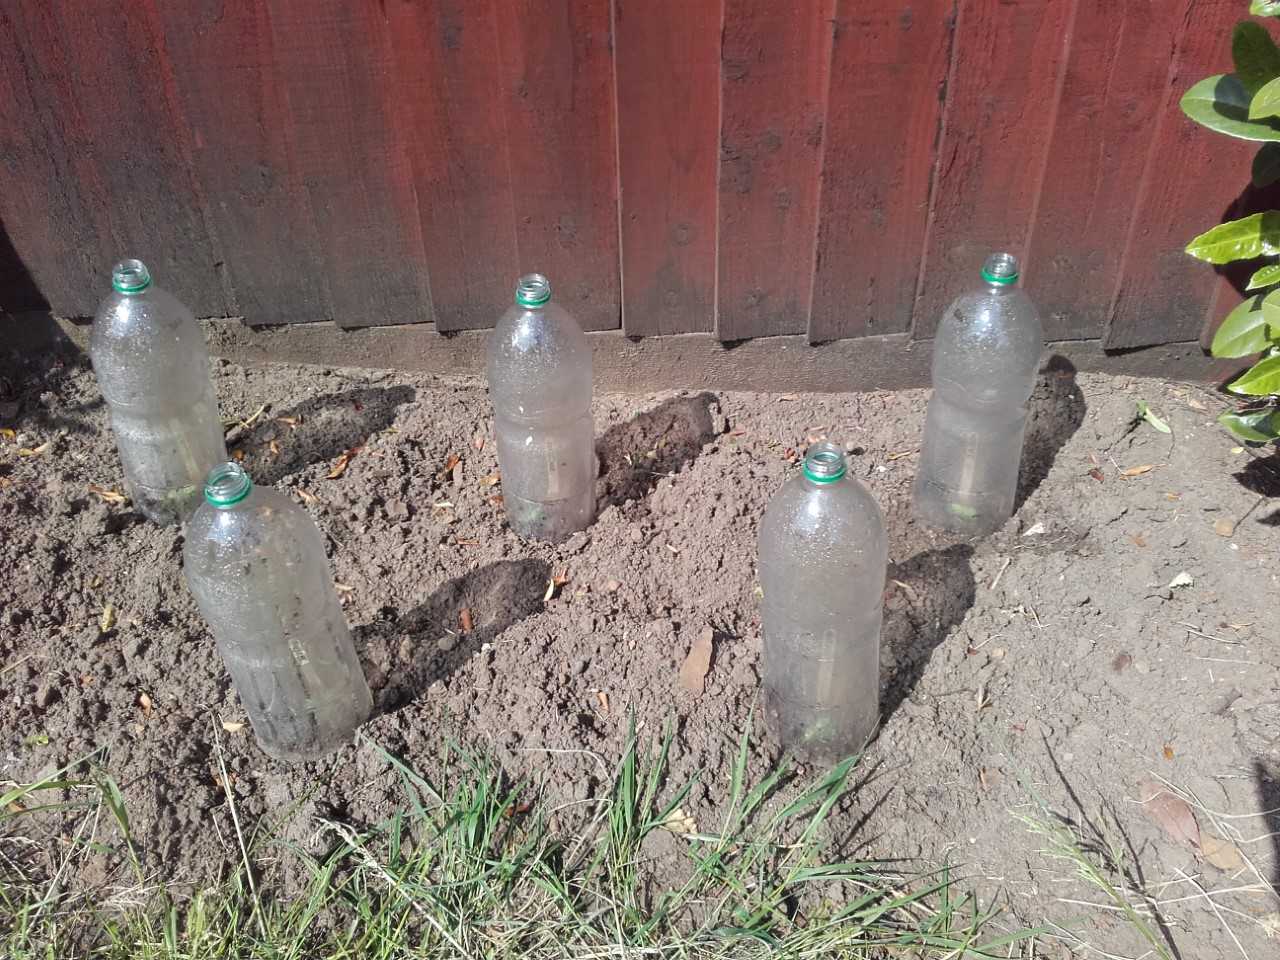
(985, 360)
(256, 564)
(151, 362)
(540, 383)
(823, 557)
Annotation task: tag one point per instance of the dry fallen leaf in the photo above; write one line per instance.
(144, 701)
(293, 424)
(1138, 471)
(1170, 812)
(8, 434)
(274, 447)
(465, 542)
(343, 588)
(108, 495)
(492, 479)
(232, 726)
(679, 822)
(1195, 404)
(464, 619)
(1034, 530)
(108, 618)
(340, 467)
(1097, 474)
(603, 699)
(1223, 854)
(1224, 527)
(307, 497)
(33, 451)
(693, 672)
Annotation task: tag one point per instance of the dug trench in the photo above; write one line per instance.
(1115, 634)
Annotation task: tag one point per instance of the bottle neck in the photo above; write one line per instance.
(824, 464)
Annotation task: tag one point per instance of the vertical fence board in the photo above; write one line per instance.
(336, 62)
(668, 83)
(1163, 295)
(1116, 69)
(50, 243)
(104, 102)
(775, 63)
(999, 113)
(557, 71)
(232, 93)
(445, 61)
(888, 66)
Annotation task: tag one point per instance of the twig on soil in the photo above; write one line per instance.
(235, 819)
(1208, 636)
(1218, 913)
(996, 580)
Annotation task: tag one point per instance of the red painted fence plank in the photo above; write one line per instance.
(447, 78)
(1116, 70)
(105, 108)
(52, 244)
(887, 70)
(991, 161)
(1193, 177)
(776, 59)
(668, 80)
(235, 100)
(335, 58)
(556, 65)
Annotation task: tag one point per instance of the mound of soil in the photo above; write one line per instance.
(1114, 632)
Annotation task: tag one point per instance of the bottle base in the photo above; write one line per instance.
(552, 522)
(822, 733)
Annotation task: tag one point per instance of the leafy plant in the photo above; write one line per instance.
(1246, 105)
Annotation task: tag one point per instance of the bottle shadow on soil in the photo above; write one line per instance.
(928, 595)
(315, 431)
(1261, 475)
(635, 455)
(1268, 777)
(1055, 411)
(404, 654)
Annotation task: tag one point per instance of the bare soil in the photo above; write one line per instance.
(1117, 630)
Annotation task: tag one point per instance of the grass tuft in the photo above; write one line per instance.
(474, 865)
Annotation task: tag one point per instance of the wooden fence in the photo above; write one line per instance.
(738, 167)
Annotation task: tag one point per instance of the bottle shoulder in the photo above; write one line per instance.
(842, 515)
(265, 522)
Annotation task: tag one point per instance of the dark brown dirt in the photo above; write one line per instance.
(1052, 657)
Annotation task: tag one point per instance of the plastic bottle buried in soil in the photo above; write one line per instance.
(152, 365)
(823, 556)
(256, 564)
(985, 359)
(540, 380)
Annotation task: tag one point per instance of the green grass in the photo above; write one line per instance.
(473, 866)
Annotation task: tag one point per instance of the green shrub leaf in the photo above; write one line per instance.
(1265, 8)
(1244, 332)
(1266, 165)
(1221, 103)
(1265, 277)
(1266, 102)
(1257, 235)
(1260, 380)
(1257, 427)
(1255, 56)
